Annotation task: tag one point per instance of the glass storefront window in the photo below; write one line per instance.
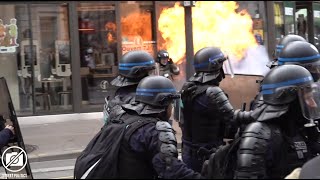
(137, 26)
(289, 17)
(52, 62)
(316, 16)
(13, 29)
(98, 51)
(41, 44)
(278, 21)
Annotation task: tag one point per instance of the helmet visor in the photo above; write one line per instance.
(309, 97)
(177, 105)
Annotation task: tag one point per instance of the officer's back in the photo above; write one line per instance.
(133, 66)
(206, 109)
(149, 146)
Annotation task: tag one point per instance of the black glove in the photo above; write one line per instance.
(208, 167)
(170, 61)
(205, 153)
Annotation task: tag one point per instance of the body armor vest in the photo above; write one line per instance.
(294, 153)
(201, 124)
(266, 152)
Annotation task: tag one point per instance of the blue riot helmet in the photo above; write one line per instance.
(134, 66)
(286, 40)
(208, 64)
(156, 91)
(303, 54)
(284, 84)
(283, 42)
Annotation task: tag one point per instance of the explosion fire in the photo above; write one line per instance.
(134, 25)
(215, 23)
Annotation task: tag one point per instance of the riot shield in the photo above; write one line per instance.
(13, 156)
(241, 89)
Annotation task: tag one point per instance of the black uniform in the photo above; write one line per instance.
(207, 111)
(149, 147)
(278, 142)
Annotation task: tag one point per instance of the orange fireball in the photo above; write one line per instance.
(135, 25)
(215, 23)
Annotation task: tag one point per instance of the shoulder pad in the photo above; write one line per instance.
(213, 90)
(164, 126)
(167, 137)
(169, 150)
(258, 130)
(220, 101)
(252, 151)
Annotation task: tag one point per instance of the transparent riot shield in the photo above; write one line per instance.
(241, 89)
(14, 157)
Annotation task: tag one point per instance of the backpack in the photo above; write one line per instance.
(100, 158)
(222, 164)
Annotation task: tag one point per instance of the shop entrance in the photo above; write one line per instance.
(308, 21)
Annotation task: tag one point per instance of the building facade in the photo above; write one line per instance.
(60, 56)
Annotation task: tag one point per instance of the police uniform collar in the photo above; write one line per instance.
(121, 81)
(266, 112)
(143, 109)
(203, 77)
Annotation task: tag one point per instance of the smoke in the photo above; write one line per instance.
(254, 63)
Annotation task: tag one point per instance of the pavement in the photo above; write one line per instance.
(56, 137)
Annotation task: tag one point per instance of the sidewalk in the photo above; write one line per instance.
(64, 136)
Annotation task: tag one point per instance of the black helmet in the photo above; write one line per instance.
(156, 91)
(208, 59)
(134, 66)
(164, 56)
(303, 54)
(279, 86)
(288, 39)
(208, 64)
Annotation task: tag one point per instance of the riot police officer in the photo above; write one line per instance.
(149, 147)
(293, 49)
(167, 67)
(133, 66)
(206, 109)
(284, 135)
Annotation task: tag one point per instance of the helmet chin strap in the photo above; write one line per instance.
(222, 73)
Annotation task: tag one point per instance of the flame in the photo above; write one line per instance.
(215, 23)
(172, 29)
(136, 24)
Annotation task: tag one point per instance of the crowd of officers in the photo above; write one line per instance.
(277, 136)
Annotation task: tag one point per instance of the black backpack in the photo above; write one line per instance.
(100, 158)
(222, 164)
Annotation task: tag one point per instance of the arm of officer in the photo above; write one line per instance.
(252, 152)
(158, 142)
(173, 68)
(5, 135)
(220, 102)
